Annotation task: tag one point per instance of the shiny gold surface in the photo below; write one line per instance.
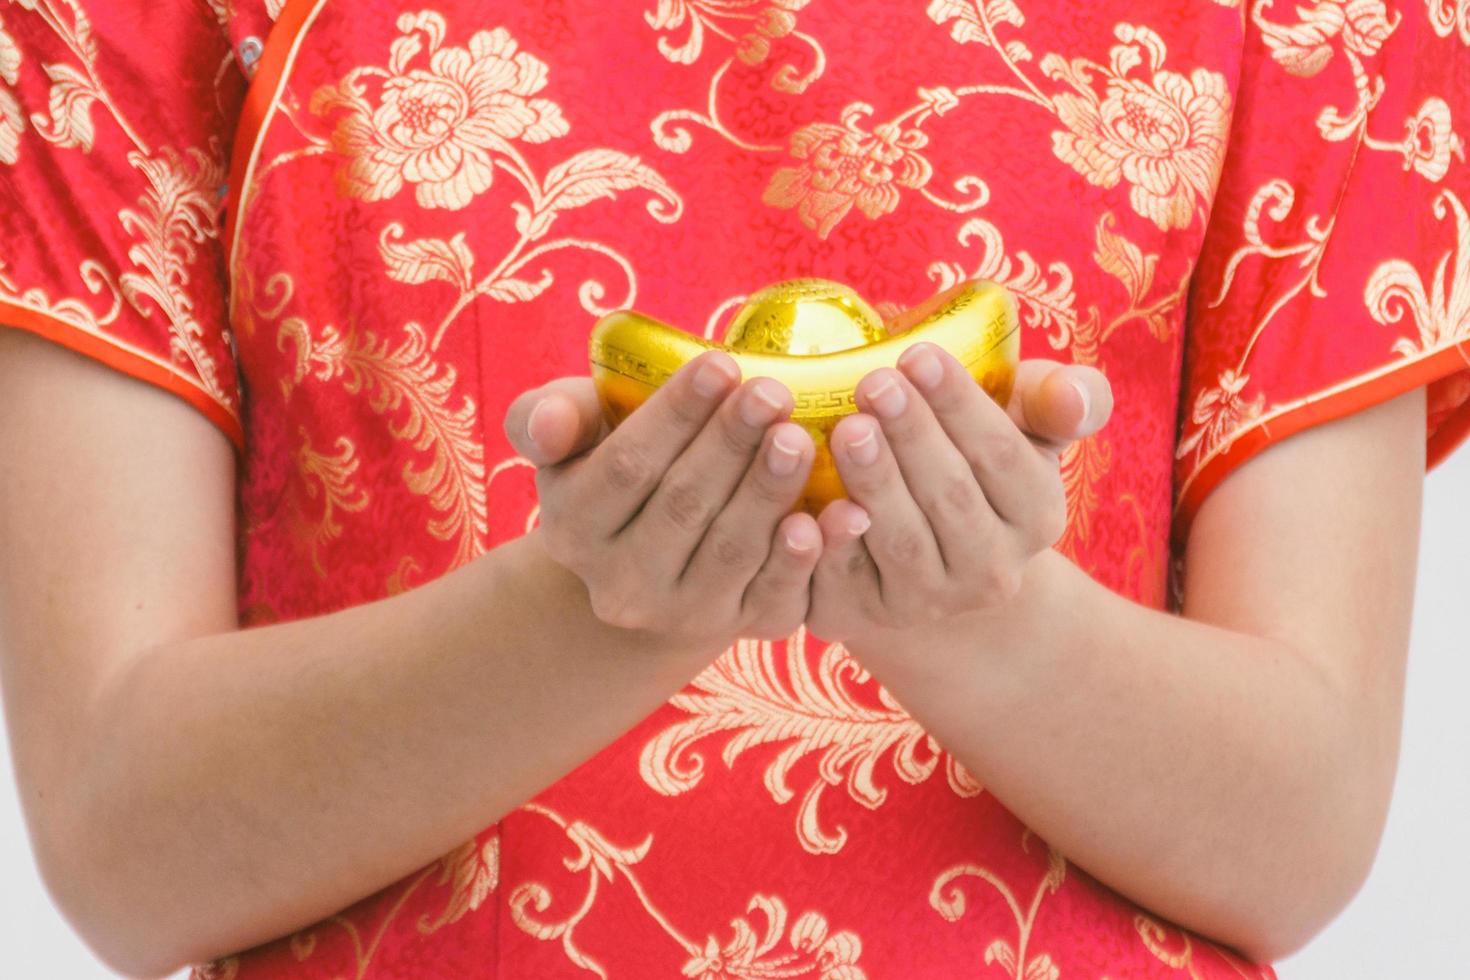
(818, 338)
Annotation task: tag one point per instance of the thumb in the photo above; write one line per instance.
(553, 423)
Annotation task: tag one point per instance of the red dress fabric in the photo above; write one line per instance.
(351, 233)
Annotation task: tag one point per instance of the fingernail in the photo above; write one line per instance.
(864, 450)
(531, 420)
(888, 398)
(757, 408)
(712, 378)
(858, 524)
(924, 369)
(800, 541)
(1086, 400)
(783, 457)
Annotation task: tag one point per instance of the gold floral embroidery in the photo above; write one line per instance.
(330, 477)
(1442, 314)
(406, 385)
(175, 216)
(765, 20)
(1180, 955)
(439, 127)
(1221, 410)
(1126, 262)
(1448, 17)
(1164, 134)
(1360, 27)
(1306, 47)
(75, 90)
(1218, 413)
(1431, 140)
(1046, 297)
(842, 166)
(12, 120)
(949, 901)
(813, 951)
(473, 870)
(1084, 464)
(742, 694)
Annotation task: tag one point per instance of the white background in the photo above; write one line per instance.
(1409, 922)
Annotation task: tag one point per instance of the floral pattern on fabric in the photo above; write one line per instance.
(1251, 216)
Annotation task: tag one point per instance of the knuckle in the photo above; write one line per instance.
(620, 608)
(685, 507)
(734, 435)
(906, 546)
(731, 550)
(857, 564)
(684, 407)
(959, 495)
(767, 489)
(1000, 581)
(627, 467)
(1000, 451)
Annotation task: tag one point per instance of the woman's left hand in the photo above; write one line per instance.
(949, 494)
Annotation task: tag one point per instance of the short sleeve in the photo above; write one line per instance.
(114, 126)
(1335, 272)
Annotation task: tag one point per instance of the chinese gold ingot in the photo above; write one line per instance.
(819, 339)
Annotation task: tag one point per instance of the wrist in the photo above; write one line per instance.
(990, 633)
(553, 597)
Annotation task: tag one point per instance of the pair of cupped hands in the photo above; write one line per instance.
(680, 521)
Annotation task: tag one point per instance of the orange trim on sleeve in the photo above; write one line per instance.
(128, 361)
(260, 97)
(1314, 411)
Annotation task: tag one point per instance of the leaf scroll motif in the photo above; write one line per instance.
(819, 713)
(1046, 296)
(589, 176)
(1442, 313)
(473, 872)
(406, 385)
(426, 259)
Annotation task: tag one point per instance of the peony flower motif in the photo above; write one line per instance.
(1432, 140)
(439, 128)
(1165, 136)
(841, 166)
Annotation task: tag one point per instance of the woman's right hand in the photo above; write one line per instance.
(679, 522)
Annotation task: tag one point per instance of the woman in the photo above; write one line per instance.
(354, 250)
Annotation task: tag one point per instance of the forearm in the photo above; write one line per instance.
(1205, 773)
(311, 763)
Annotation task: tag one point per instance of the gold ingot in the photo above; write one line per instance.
(819, 339)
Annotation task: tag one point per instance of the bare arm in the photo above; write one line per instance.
(161, 751)
(1229, 769)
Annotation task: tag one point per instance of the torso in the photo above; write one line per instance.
(782, 816)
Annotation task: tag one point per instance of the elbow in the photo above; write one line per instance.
(107, 907)
(1292, 902)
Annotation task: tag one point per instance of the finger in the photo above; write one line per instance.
(556, 421)
(1019, 482)
(937, 474)
(779, 596)
(845, 576)
(697, 486)
(901, 542)
(610, 486)
(735, 547)
(1057, 404)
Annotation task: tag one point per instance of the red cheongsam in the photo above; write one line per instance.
(351, 233)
